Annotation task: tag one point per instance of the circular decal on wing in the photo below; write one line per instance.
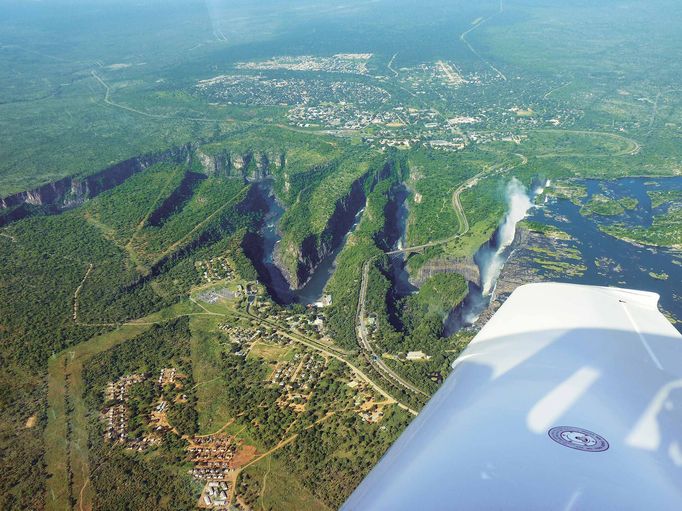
(578, 438)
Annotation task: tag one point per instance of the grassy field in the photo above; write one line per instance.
(271, 352)
(280, 489)
(548, 143)
(211, 394)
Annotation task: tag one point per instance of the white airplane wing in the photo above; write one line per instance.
(570, 398)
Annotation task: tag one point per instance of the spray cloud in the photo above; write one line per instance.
(518, 204)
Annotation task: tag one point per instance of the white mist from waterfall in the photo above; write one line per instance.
(492, 256)
(518, 204)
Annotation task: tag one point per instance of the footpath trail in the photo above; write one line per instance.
(77, 293)
(66, 432)
(330, 351)
(283, 443)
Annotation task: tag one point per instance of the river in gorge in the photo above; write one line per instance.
(262, 254)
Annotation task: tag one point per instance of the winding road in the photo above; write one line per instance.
(322, 348)
(459, 210)
(361, 329)
(363, 339)
(108, 101)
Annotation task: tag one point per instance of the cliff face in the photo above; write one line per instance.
(251, 166)
(297, 263)
(69, 192)
(515, 273)
(465, 266)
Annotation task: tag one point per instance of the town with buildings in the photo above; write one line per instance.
(340, 63)
(297, 378)
(215, 460)
(259, 90)
(384, 108)
(117, 414)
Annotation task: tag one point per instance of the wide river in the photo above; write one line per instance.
(614, 262)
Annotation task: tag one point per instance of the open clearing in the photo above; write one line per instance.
(548, 143)
(271, 352)
(280, 489)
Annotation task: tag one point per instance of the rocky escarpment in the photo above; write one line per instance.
(515, 273)
(465, 266)
(395, 218)
(298, 263)
(72, 191)
(251, 165)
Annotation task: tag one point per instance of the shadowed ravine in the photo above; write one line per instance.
(261, 249)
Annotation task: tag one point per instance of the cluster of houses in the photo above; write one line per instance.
(117, 415)
(216, 268)
(215, 494)
(340, 116)
(118, 390)
(368, 410)
(446, 145)
(245, 337)
(117, 423)
(397, 142)
(298, 377)
(211, 456)
(167, 376)
(372, 415)
(310, 369)
(306, 324)
(242, 337)
(482, 137)
(142, 444)
(211, 470)
(215, 461)
(339, 63)
(283, 374)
